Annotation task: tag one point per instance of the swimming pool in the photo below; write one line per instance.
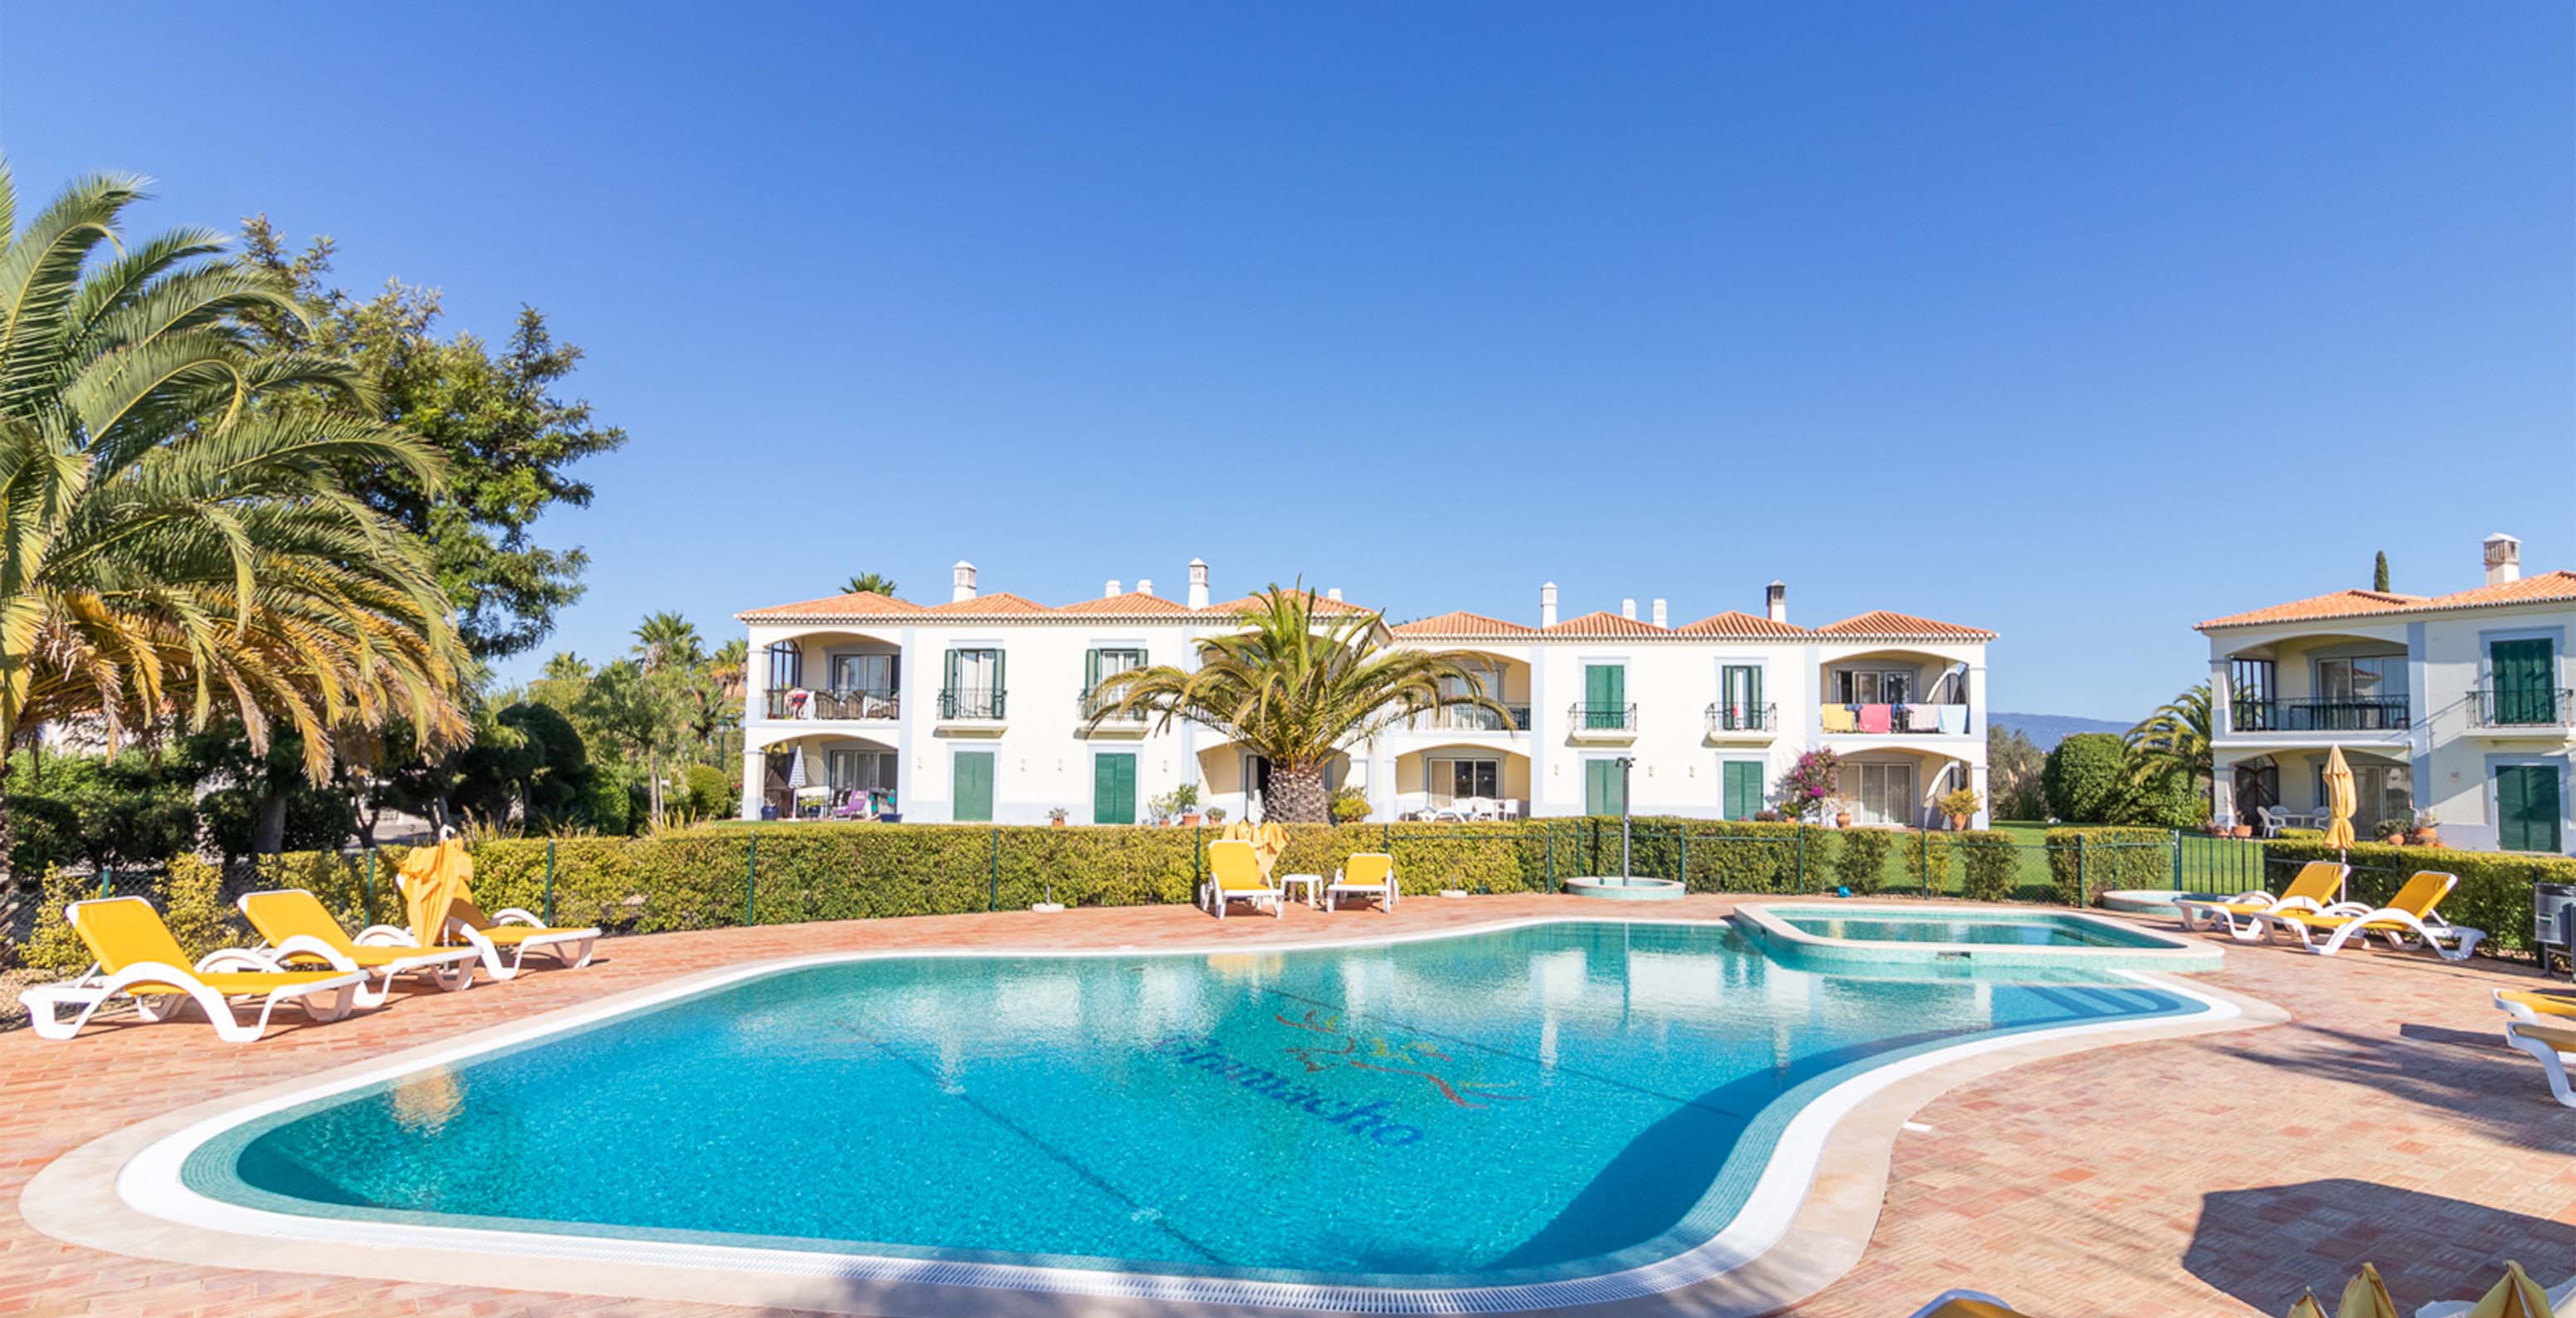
(2035, 930)
(1917, 938)
(1533, 1115)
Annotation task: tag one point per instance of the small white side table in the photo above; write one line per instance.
(1314, 887)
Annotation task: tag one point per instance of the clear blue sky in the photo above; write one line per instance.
(2080, 322)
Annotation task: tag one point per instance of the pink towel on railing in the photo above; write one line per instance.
(1876, 718)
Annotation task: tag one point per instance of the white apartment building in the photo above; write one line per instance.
(2455, 704)
(975, 709)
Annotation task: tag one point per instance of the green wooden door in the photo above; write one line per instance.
(2527, 807)
(1605, 696)
(1113, 789)
(2523, 691)
(973, 786)
(1742, 788)
(1604, 793)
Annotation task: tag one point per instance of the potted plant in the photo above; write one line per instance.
(1056, 816)
(1185, 799)
(1766, 816)
(1350, 805)
(2391, 831)
(1842, 811)
(1961, 806)
(1215, 815)
(2428, 830)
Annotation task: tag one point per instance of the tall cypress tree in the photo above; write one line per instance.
(2379, 572)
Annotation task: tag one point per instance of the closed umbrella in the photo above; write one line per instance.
(2516, 1296)
(795, 778)
(2367, 1297)
(435, 879)
(2340, 804)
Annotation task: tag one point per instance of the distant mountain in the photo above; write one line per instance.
(2046, 730)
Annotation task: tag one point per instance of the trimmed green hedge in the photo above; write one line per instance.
(2494, 893)
(2082, 861)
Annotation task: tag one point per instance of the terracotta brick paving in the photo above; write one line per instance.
(2385, 1122)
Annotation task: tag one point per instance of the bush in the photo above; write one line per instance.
(606, 802)
(191, 899)
(2089, 860)
(1860, 858)
(1990, 864)
(712, 795)
(2302, 834)
(54, 946)
(2083, 777)
(2172, 800)
(1350, 805)
(2494, 892)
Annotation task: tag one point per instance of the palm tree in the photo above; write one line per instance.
(666, 639)
(868, 583)
(1297, 691)
(2174, 739)
(174, 544)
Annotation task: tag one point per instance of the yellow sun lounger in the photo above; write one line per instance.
(138, 959)
(1234, 875)
(2408, 920)
(519, 933)
(2554, 1045)
(298, 929)
(2316, 884)
(2538, 1008)
(1370, 874)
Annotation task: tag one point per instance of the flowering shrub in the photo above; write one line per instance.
(1810, 783)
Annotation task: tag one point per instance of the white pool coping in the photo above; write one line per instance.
(144, 1163)
(2167, 952)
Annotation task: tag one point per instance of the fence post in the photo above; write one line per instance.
(371, 886)
(993, 899)
(550, 879)
(2083, 885)
(2177, 860)
(107, 880)
(750, 879)
(1923, 861)
(1802, 860)
(1549, 831)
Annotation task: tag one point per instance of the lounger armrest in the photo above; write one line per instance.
(2343, 908)
(2257, 895)
(514, 915)
(308, 945)
(386, 935)
(238, 958)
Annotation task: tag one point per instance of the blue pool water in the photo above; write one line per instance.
(2002, 929)
(1526, 1104)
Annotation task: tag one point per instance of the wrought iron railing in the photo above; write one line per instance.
(2523, 707)
(1603, 718)
(1725, 716)
(2323, 714)
(808, 703)
(972, 702)
(1085, 707)
(1473, 718)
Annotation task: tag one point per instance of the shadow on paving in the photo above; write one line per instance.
(2269, 1245)
(2470, 1079)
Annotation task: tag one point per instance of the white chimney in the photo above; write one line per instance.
(1775, 601)
(1547, 605)
(2504, 559)
(1198, 584)
(1112, 591)
(961, 581)
(1144, 585)
(1659, 613)
(1335, 594)
(1628, 610)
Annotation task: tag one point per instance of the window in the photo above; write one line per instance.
(1886, 794)
(2361, 692)
(1739, 698)
(1451, 779)
(1740, 788)
(974, 685)
(2520, 671)
(2379, 791)
(1099, 665)
(786, 666)
(1876, 686)
(1479, 679)
(862, 771)
(863, 674)
(2527, 807)
(2250, 684)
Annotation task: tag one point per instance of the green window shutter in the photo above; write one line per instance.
(1090, 671)
(1604, 695)
(973, 786)
(1113, 789)
(1742, 793)
(2527, 808)
(948, 673)
(1601, 788)
(2523, 690)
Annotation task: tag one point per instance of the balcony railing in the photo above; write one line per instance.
(2523, 707)
(1471, 718)
(1603, 718)
(1725, 717)
(973, 702)
(807, 703)
(1084, 707)
(1917, 719)
(2323, 714)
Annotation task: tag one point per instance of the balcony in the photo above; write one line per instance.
(1601, 722)
(1121, 723)
(1470, 718)
(1893, 720)
(976, 707)
(2365, 714)
(1726, 721)
(800, 703)
(2541, 710)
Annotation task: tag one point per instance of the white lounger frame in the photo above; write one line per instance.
(2410, 933)
(2552, 1061)
(580, 942)
(450, 968)
(92, 990)
(2522, 1013)
(2248, 926)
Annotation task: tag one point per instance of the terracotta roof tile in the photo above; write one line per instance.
(1882, 623)
(1133, 604)
(999, 604)
(1323, 604)
(864, 604)
(1604, 623)
(1735, 622)
(1459, 622)
(2539, 588)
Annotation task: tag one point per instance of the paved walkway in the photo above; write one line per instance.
(2386, 1122)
